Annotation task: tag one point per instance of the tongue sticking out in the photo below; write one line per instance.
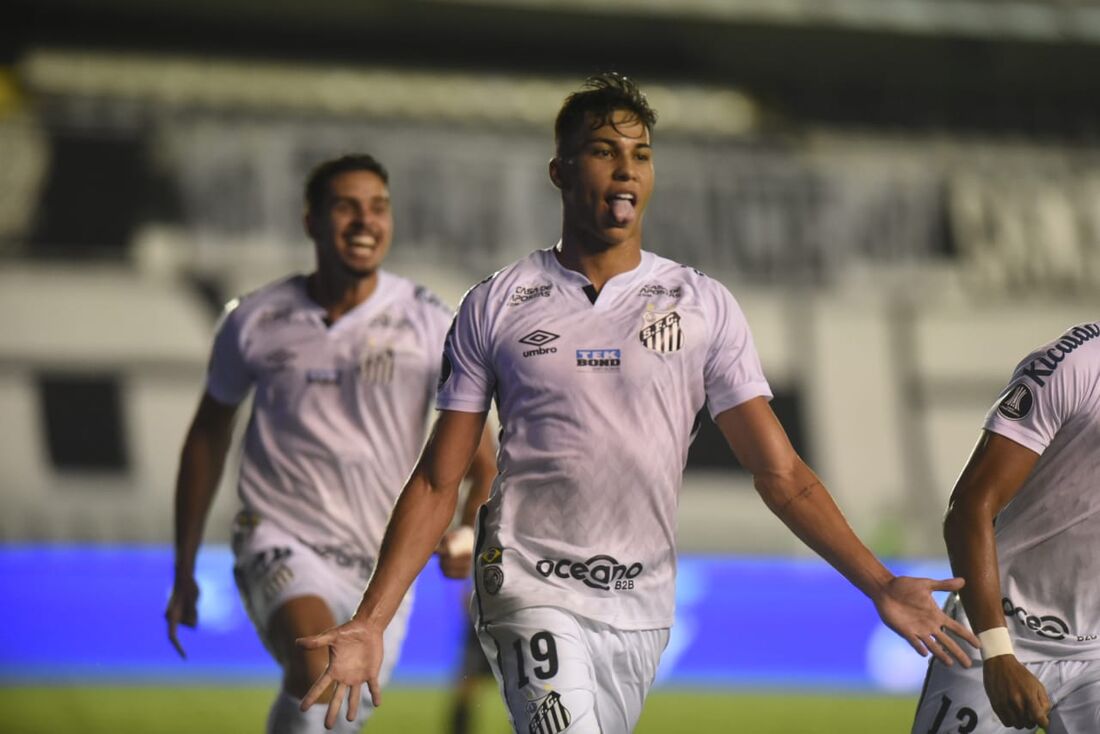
(623, 211)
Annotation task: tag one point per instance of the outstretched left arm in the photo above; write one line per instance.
(797, 496)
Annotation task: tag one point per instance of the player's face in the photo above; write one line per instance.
(606, 177)
(353, 228)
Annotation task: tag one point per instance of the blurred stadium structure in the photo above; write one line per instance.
(903, 194)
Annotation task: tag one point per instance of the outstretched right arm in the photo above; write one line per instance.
(201, 463)
(419, 519)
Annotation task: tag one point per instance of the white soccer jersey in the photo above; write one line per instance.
(1048, 536)
(339, 413)
(597, 404)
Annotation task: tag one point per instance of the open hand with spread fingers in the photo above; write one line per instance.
(354, 658)
(907, 607)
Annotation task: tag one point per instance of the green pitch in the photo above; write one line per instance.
(205, 710)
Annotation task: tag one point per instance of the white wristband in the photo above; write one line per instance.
(995, 642)
(461, 542)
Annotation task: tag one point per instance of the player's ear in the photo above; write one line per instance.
(557, 175)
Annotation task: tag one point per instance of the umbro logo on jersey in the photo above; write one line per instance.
(1045, 365)
(1048, 626)
(598, 572)
(1016, 403)
(524, 293)
(280, 358)
(539, 339)
(548, 715)
(662, 332)
(600, 359)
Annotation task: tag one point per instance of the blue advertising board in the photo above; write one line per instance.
(95, 614)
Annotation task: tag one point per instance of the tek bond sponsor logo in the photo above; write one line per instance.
(323, 377)
(600, 359)
(598, 572)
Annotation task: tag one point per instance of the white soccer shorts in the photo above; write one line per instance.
(954, 700)
(272, 567)
(560, 672)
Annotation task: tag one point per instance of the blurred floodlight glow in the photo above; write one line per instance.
(203, 83)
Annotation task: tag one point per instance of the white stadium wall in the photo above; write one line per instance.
(893, 392)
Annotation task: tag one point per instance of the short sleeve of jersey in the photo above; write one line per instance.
(228, 378)
(1031, 413)
(466, 380)
(439, 320)
(732, 372)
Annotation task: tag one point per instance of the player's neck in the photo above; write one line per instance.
(600, 264)
(339, 293)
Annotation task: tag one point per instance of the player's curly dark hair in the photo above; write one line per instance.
(324, 172)
(600, 97)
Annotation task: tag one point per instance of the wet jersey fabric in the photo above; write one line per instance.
(598, 398)
(1048, 536)
(339, 412)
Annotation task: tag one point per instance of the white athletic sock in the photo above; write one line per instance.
(285, 718)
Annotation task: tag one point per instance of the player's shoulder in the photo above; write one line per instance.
(413, 294)
(1062, 372)
(670, 274)
(676, 283)
(1075, 351)
(522, 281)
(269, 302)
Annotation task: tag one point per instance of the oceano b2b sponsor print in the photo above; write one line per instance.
(598, 572)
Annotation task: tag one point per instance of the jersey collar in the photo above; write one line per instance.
(382, 295)
(574, 283)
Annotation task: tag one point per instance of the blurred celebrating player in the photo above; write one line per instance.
(1023, 529)
(344, 362)
(599, 355)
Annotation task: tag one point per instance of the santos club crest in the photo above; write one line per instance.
(548, 715)
(662, 332)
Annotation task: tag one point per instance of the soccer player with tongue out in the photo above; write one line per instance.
(599, 355)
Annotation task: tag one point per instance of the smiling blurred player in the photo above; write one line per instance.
(342, 364)
(599, 356)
